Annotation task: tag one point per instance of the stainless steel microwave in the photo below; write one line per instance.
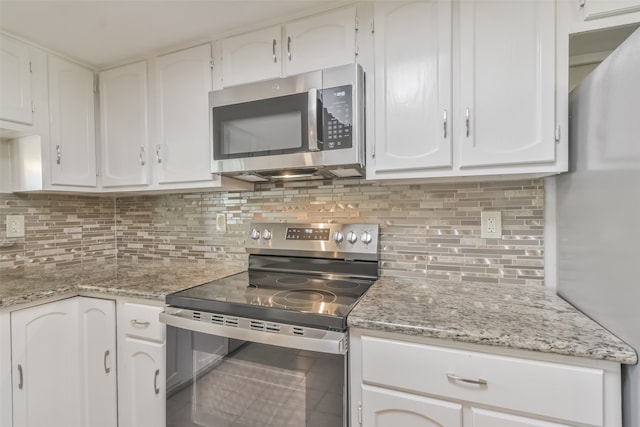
(299, 127)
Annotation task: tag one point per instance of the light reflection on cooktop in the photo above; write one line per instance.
(248, 293)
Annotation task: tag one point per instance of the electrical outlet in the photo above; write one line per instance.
(491, 225)
(221, 222)
(15, 226)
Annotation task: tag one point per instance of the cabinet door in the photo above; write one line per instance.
(252, 56)
(412, 86)
(183, 81)
(389, 408)
(123, 113)
(506, 113)
(46, 378)
(141, 383)
(320, 41)
(15, 82)
(71, 110)
(97, 323)
(484, 418)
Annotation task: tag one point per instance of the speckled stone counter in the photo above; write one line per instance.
(519, 317)
(147, 281)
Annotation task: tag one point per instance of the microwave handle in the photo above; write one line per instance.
(312, 108)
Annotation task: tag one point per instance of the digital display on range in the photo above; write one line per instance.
(295, 233)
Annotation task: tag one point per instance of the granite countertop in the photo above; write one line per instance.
(140, 280)
(513, 316)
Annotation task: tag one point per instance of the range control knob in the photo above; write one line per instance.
(352, 237)
(366, 238)
(255, 234)
(266, 234)
(338, 237)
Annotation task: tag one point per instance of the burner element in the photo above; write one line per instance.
(341, 284)
(292, 280)
(303, 298)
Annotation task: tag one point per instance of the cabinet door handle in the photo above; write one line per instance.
(289, 47)
(58, 154)
(106, 369)
(21, 382)
(158, 147)
(444, 124)
(135, 322)
(454, 377)
(141, 156)
(467, 120)
(155, 381)
(273, 50)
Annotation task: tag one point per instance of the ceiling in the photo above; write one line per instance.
(104, 33)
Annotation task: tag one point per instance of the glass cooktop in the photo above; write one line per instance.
(300, 299)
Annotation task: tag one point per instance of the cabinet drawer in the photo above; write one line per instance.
(141, 321)
(548, 389)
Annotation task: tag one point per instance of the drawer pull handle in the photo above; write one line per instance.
(479, 381)
(135, 322)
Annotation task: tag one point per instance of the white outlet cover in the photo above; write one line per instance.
(15, 226)
(491, 225)
(221, 222)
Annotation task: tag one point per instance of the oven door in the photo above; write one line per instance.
(266, 133)
(220, 381)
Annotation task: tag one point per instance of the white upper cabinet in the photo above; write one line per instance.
(484, 105)
(123, 114)
(506, 112)
(182, 148)
(412, 85)
(71, 109)
(320, 41)
(15, 82)
(252, 56)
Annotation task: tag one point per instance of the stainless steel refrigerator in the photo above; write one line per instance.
(598, 206)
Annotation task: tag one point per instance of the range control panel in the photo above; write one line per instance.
(351, 241)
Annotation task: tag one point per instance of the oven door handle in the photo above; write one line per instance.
(322, 341)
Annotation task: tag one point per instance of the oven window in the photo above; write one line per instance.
(261, 128)
(236, 383)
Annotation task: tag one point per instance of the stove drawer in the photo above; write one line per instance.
(142, 321)
(529, 386)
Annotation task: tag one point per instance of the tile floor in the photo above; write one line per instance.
(260, 386)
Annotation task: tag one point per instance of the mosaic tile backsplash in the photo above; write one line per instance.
(427, 230)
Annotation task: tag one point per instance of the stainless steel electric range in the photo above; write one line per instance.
(267, 347)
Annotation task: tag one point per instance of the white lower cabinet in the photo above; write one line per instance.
(388, 408)
(395, 382)
(484, 418)
(62, 372)
(141, 366)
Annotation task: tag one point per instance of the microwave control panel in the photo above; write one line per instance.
(337, 118)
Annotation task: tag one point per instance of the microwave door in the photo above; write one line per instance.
(246, 135)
